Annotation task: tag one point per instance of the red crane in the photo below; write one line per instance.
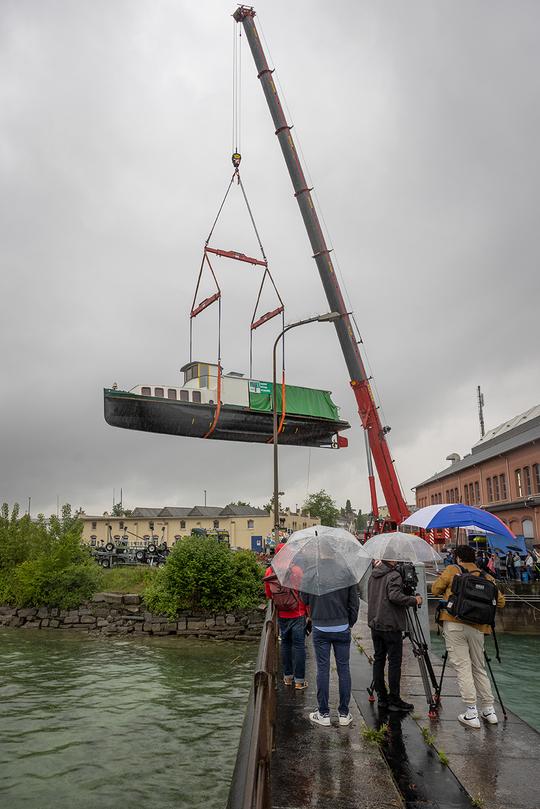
(376, 445)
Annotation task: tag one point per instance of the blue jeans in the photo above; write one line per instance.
(341, 643)
(293, 647)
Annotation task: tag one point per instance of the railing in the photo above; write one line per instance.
(250, 785)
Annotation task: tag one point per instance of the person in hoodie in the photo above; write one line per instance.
(332, 615)
(387, 610)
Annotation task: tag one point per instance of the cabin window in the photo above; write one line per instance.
(196, 396)
(146, 391)
(171, 393)
(250, 524)
(182, 523)
(158, 392)
(191, 373)
(184, 396)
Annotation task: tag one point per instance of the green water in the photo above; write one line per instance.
(102, 724)
(516, 675)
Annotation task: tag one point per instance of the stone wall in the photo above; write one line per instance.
(123, 614)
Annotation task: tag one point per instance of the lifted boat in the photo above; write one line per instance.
(311, 419)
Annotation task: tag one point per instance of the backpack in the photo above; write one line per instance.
(473, 598)
(285, 599)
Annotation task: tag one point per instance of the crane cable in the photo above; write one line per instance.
(236, 158)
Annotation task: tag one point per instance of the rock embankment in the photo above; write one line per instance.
(123, 614)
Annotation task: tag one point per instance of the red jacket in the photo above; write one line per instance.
(297, 573)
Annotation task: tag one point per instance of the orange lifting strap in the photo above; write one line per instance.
(283, 407)
(218, 405)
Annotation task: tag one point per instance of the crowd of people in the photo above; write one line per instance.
(330, 617)
(511, 566)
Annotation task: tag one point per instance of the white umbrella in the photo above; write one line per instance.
(399, 547)
(320, 560)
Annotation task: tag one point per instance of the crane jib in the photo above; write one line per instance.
(359, 380)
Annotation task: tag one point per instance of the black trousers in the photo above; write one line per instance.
(387, 644)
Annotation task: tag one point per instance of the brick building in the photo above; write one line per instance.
(501, 474)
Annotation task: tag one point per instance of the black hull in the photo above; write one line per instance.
(192, 420)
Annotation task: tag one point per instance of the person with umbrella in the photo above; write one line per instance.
(332, 564)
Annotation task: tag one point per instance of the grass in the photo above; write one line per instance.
(373, 736)
(443, 758)
(478, 801)
(127, 579)
(427, 736)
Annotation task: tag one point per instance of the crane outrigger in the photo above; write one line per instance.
(375, 432)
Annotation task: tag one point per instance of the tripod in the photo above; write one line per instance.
(415, 633)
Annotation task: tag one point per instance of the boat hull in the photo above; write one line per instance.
(192, 420)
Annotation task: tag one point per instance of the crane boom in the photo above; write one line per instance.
(367, 408)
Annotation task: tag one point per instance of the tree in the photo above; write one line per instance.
(361, 521)
(239, 503)
(119, 511)
(348, 508)
(269, 507)
(321, 505)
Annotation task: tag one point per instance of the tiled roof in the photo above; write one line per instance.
(146, 512)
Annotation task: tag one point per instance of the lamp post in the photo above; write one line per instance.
(329, 317)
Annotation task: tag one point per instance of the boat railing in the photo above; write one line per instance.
(250, 786)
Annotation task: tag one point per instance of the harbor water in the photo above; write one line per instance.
(90, 723)
(516, 675)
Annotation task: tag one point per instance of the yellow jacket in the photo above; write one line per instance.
(442, 586)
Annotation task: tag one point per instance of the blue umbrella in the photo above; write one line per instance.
(457, 515)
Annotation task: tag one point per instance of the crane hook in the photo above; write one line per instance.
(236, 158)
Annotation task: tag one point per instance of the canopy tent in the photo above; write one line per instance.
(503, 545)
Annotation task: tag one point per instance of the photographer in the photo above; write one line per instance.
(387, 604)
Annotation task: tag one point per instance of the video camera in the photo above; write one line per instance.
(407, 571)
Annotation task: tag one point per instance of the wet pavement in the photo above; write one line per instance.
(325, 767)
(421, 764)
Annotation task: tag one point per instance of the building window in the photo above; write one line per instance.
(250, 524)
(94, 525)
(93, 540)
(536, 475)
(146, 391)
(502, 481)
(527, 480)
(489, 490)
(519, 484)
(182, 523)
(447, 496)
(528, 528)
(151, 525)
(477, 491)
(196, 396)
(496, 488)
(304, 525)
(440, 497)
(158, 392)
(294, 525)
(216, 523)
(171, 393)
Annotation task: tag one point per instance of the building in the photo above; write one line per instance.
(248, 526)
(501, 474)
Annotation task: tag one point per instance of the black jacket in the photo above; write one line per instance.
(333, 609)
(386, 599)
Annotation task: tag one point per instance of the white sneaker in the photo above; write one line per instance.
(345, 720)
(469, 718)
(320, 719)
(489, 715)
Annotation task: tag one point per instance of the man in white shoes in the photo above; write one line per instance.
(465, 642)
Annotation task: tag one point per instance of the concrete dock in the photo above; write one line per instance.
(420, 763)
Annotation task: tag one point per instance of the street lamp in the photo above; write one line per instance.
(328, 317)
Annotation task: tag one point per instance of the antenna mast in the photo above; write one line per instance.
(481, 412)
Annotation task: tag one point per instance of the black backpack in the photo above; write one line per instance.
(473, 598)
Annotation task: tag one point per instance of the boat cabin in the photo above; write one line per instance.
(200, 386)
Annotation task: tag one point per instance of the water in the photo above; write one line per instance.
(516, 676)
(100, 724)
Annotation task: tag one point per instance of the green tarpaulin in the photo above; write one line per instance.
(298, 401)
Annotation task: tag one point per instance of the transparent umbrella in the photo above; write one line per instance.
(399, 547)
(320, 560)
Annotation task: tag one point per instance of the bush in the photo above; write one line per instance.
(43, 563)
(202, 574)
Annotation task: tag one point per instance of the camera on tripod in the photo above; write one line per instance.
(407, 571)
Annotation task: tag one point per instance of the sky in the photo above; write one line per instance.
(419, 123)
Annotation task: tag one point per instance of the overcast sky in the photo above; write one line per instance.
(420, 124)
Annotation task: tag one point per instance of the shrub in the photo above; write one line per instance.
(204, 575)
(43, 563)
